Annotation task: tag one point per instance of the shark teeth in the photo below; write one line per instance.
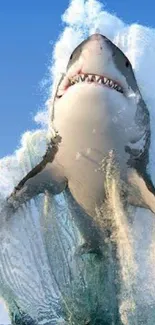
(92, 78)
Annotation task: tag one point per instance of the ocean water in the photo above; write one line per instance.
(22, 235)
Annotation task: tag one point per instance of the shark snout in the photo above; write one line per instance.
(96, 37)
(95, 45)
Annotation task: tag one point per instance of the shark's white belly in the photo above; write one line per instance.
(92, 123)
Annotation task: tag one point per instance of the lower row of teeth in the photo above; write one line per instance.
(94, 78)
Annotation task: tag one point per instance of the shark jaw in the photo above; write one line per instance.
(87, 78)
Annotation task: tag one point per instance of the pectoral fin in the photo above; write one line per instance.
(47, 175)
(141, 191)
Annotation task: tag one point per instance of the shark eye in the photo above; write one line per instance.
(71, 57)
(127, 63)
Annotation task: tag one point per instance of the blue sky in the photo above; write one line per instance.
(27, 31)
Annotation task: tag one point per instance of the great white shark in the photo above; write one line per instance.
(98, 108)
(98, 112)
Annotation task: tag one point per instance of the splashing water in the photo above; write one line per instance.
(113, 213)
(23, 235)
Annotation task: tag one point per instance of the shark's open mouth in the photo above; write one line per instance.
(88, 78)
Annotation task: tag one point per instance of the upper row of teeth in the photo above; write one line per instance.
(95, 78)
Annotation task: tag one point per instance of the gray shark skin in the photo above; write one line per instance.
(98, 110)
